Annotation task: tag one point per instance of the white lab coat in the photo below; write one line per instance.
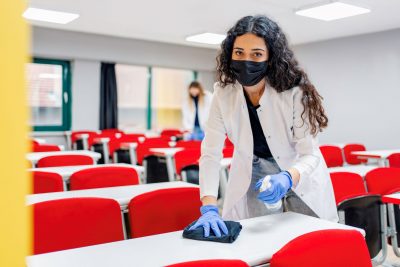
(189, 112)
(289, 140)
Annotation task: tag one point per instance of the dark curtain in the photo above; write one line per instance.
(108, 97)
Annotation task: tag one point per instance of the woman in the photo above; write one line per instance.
(266, 105)
(195, 110)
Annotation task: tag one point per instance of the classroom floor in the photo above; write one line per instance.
(391, 260)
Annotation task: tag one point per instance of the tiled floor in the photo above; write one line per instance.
(391, 260)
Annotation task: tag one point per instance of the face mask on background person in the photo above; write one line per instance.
(249, 73)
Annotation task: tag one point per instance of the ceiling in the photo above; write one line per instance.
(173, 20)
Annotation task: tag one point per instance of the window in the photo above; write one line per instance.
(49, 86)
(139, 110)
(169, 88)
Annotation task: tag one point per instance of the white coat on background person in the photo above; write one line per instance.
(271, 112)
(189, 108)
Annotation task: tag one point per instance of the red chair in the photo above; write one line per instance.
(75, 222)
(186, 157)
(64, 160)
(332, 155)
(189, 144)
(347, 185)
(115, 143)
(47, 182)
(328, 248)
(143, 149)
(112, 131)
(75, 136)
(100, 177)
(171, 133)
(351, 159)
(163, 211)
(45, 148)
(211, 263)
(383, 180)
(394, 160)
(359, 208)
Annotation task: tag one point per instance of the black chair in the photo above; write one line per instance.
(190, 174)
(365, 212)
(156, 169)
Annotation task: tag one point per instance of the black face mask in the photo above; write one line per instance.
(249, 73)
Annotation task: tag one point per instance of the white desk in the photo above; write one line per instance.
(260, 238)
(122, 194)
(34, 157)
(380, 155)
(359, 169)
(168, 153)
(67, 171)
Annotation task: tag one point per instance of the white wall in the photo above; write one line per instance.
(359, 78)
(87, 51)
(85, 94)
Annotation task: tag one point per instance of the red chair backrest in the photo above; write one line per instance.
(171, 132)
(351, 159)
(328, 248)
(347, 185)
(143, 149)
(75, 134)
(394, 160)
(228, 152)
(103, 177)
(211, 263)
(47, 182)
(186, 157)
(383, 180)
(189, 144)
(64, 160)
(115, 143)
(332, 156)
(112, 131)
(75, 222)
(45, 148)
(163, 211)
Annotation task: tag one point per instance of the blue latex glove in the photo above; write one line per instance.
(210, 218)
(197, 134)
(280, 185)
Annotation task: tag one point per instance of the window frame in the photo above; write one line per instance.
(66, 95)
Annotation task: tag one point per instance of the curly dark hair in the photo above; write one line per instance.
(283, 72)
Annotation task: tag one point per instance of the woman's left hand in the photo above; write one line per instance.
(280, 185)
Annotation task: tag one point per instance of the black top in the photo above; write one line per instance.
(261, 148)
(196, 118)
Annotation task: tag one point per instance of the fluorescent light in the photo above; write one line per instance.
(49, 76)
(332, 11)
(49, 15)
(206, 38)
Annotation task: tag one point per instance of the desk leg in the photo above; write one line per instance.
(392, 230)
(170, 168)
(106, 152)
(132, 155)
(69, 141)
(384, 235)
(85, 142)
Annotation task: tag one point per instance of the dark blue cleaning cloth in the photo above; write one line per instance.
(234, 229)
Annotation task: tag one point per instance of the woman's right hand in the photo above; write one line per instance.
(210, 219)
